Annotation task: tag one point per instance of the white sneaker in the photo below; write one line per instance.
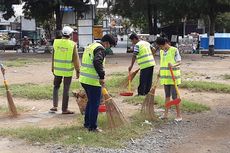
(178, 119)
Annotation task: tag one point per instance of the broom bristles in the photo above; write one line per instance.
(125, 82)
(11, 105)
(147, 109)
(114, 115)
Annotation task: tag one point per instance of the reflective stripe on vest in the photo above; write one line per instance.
(166, 77)
(144, 57)
(63, 57)
(88, 74)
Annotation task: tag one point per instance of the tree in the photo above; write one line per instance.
(43, 10)
(140, 12)
(6, 6)
(210, 8)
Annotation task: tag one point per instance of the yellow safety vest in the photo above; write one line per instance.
(165, 75)
(144, 57)
(63, 57)
(88, 74)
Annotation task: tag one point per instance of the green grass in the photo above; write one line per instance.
(19, 62)
(76, 135)
(226, 76)
(206, 86)
(35, 91)
(5, 109)
(186, 106)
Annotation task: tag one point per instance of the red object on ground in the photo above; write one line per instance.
(102, 108)
(126, 93)
(173, 102)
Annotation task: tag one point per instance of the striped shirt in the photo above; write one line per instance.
(136, 49)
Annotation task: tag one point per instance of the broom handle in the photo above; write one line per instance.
(129, 79)
(174, 81)
(5, 82)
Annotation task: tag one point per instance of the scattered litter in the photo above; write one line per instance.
(159, 131)
(159, 110)
(133, 142)
(146, 122)
(33, 108)
(79, 138)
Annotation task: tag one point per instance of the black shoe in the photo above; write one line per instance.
(53, 110)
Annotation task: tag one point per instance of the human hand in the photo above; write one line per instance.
(77, 74)
(102, 82)
(170, 65)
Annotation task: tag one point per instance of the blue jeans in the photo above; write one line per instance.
(91, 112)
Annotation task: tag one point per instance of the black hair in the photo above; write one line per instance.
(109, 38)
(161, 40)
(133, 36)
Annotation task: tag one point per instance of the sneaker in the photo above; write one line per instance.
(178, 119)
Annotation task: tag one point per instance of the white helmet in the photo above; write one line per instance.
(67, 30)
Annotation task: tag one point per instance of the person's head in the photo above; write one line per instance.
(134, 38)
(108, 41)
(67, 31)
(162, 42)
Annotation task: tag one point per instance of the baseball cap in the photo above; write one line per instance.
(66, 31)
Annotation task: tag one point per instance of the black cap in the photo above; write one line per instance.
(133, 36)
(109, 38)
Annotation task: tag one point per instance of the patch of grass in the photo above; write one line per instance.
(35, 91)
(226, 76)
(206, 86)
(4, 109)
(19, 62)
(134, 100)
(76, 135)
(186, 106)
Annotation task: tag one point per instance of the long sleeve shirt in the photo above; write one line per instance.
(99, 55)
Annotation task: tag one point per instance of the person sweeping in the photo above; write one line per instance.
(169, 59)
(92, 78)
(143, 53)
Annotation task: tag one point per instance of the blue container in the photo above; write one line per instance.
(222, 42)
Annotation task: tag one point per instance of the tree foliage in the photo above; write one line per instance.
(7, 8)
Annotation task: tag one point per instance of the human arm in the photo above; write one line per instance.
(52, 66)
(2, 69)
(99, 55)
(177, 58)
(76, 62)
(135, 53)
(132, 62)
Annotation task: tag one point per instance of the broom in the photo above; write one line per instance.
(114, 115)
(177, 100)
(147, 108)
(11, 105)
(130, 78)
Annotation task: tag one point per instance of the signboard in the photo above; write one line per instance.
(28, 24)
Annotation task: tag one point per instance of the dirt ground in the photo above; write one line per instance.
(213, 138)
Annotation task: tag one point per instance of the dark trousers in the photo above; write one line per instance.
(65, 98)
(91, 112)
(145, 81)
